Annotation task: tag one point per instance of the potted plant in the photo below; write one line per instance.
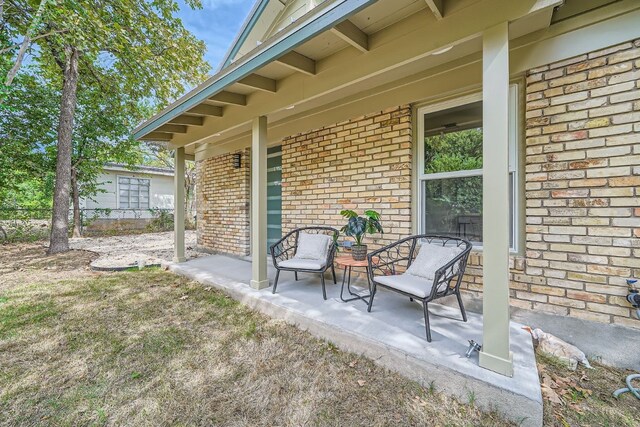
(359, 226)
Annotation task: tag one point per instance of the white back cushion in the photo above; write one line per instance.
(430, 258)
(313, 246)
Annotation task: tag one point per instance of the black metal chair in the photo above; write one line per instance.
(387, 265)
(284, 251)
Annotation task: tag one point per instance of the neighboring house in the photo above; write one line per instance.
(130, 193)
(513, 123)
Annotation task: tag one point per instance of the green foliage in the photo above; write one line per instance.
(135, 57)
(359, 226)
(453, 151)
(133, 48)
(27, 130)
(162, 220)
(449, 198)
(33, 193)
(22, 230)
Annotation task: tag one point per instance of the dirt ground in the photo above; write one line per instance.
(80, 347)
(130, 249)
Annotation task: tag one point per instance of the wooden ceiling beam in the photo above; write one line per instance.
(206, 110)
(187, 120)
(298, 62)
(171, 128)
(437, 7)
(229, 98)
(259, 82)
(349, 32)
(157, 136)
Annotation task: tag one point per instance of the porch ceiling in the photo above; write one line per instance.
(342, 49)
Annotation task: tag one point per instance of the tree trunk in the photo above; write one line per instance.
(75, 198)
(59, 241)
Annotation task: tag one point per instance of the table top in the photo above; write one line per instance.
(348, 261)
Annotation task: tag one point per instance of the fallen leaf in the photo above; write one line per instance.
(353, 364)
(550, 395)
(361, 383)
(183, 297)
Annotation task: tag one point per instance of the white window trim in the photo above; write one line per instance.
(513, 157)
(118, 206)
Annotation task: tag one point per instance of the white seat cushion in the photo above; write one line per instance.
(296, 263)
(430, 258)
(312, 246)
(414, 285)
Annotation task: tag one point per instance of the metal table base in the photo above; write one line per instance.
(347, 272)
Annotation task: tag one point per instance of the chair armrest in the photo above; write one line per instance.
(449, 271)
(386, 260)
(284, 248)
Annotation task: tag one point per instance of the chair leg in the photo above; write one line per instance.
(333, 271)
(275, 283)
(462, 310)
(295, 273)
(373, 294)
(324, 291)
(426, 320)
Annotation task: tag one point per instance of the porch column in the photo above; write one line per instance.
(178, 206)
(259, 278)
(495, 354)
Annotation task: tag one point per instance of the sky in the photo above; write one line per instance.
(217, 24)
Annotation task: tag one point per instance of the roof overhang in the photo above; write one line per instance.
(321, 19)
(147, 170)
(411, 45)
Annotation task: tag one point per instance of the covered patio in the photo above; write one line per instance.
(345, 59)
(392, 334)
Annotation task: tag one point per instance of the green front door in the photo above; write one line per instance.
(274, 195)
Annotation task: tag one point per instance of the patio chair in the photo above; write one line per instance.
(299, 251)
(422, 267)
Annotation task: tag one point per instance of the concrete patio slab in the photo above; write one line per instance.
(392, 334)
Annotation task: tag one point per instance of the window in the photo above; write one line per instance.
(133, 193)
(450, 166)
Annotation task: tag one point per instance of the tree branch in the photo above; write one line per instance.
(5, 50)
(26, 42)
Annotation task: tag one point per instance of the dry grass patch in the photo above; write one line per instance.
(79, 347)
(584, 397)
(151, 348)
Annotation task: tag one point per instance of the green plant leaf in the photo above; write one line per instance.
(347, 213)
(372, 214)
(358, 227)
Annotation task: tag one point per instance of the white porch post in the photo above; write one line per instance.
(495, 354)
(259, 278)
(178, 206)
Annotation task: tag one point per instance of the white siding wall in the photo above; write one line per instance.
(160, 193)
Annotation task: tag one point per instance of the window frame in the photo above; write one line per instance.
(119, 203)
(422, 177)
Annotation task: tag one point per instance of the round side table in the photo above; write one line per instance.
(349, 263)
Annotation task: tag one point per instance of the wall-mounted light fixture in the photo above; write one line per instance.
(237, 160)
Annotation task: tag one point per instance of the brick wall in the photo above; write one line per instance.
(583, 185)
(223, 204)
(362, 163)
